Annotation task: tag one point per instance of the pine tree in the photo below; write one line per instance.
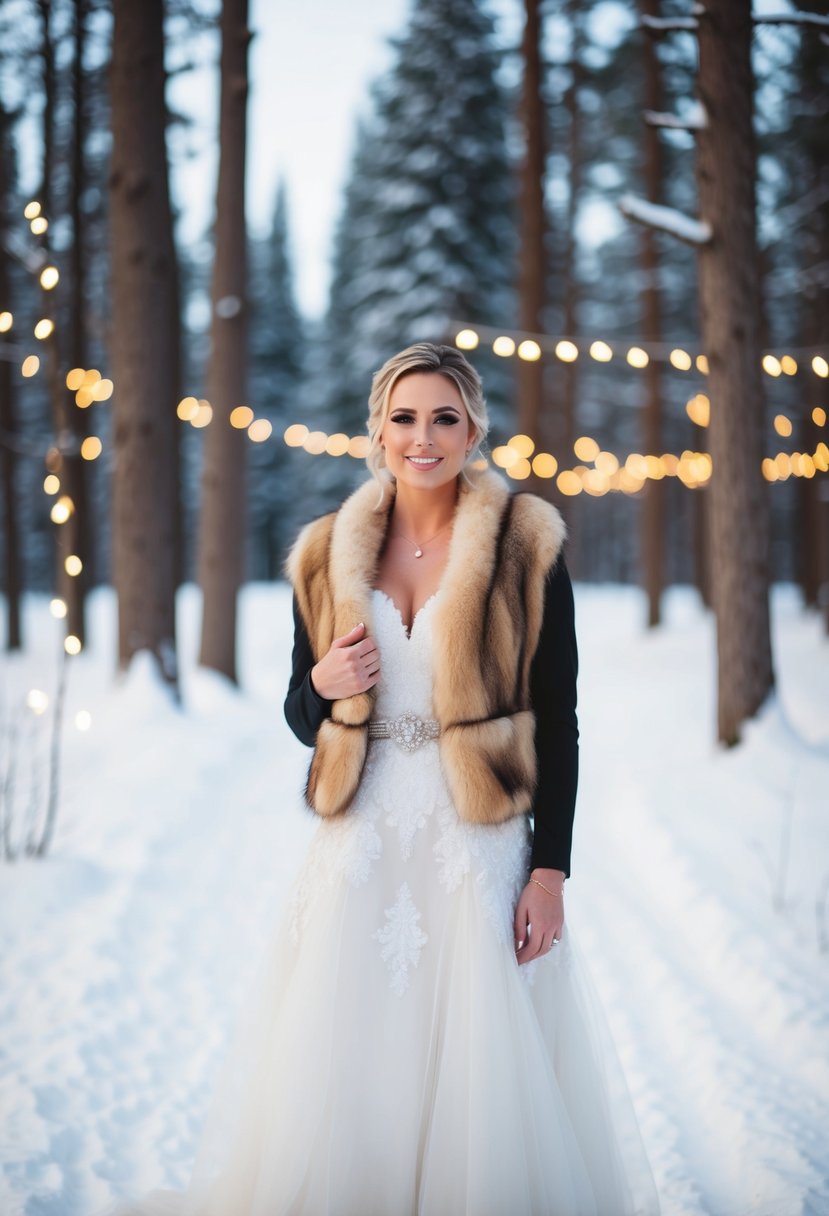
(427, 232)
(277, 374)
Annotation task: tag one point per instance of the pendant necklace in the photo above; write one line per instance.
(419, 548)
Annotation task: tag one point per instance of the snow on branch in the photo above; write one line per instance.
(695, 120)
(662, 25)
(665, 219)
(791, 19)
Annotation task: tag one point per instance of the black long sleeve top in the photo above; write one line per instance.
(553, 697)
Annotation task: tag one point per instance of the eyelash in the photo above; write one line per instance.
(448, 418)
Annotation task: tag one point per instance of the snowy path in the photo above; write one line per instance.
(126, 952)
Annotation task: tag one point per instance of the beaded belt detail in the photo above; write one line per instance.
(408, 731)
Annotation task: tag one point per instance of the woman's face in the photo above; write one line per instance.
(427, 430)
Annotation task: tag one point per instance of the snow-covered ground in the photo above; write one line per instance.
(700, 894)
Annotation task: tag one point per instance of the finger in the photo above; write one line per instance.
(520, 925)
(353, 635)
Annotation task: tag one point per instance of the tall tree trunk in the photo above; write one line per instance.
(570, 285)
(654, 497)
(222, 525)
(731, 323)
(144, 340)
(532, 258)
(75, 533)
(12, 580)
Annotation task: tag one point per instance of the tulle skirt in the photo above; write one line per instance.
(393, 1059)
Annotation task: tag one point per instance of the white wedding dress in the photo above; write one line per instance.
(394, 1059)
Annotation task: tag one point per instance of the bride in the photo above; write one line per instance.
(424, 1038)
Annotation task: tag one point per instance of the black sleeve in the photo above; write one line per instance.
(305, 709)
(553, 695)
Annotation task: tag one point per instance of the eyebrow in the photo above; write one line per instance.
(438, 409)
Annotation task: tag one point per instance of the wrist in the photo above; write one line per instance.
(553, 879)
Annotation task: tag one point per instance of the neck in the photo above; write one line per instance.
(419, 514)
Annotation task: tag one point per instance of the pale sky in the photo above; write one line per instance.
(311, 64)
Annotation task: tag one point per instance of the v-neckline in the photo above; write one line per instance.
(407, 633)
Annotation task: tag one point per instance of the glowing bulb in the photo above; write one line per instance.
(569, 482)
(544, 465)
(586, 448)
(358, 446)
(102, 390)
(57, 607)
(519, 469)
(37, 701)
(44, 328)
(819, 416)
(241, 417)
(39, 225)
(6, 322)
(60, 512)
(529, 350)
(503, 347)
(467, 339)
(30, 366)
(73, 565)
(296, 434)
(637, 357)
(601, 352)
(260, 430)
(771, 365)
(782, 425)
(74, 379)
(820, 367)
(51, 484)
(522, 444)
(72, 644)
(203, 414)
(91, 447)
(32, 210)
(702, 364)
(680, 359)
(789, 365)
(49, 277)
(187, 409)
(567, 351)
(337, 445)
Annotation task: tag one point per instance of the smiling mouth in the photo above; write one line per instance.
(424, 462)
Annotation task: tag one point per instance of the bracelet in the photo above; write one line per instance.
(560, 894)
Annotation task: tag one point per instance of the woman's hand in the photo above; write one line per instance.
(351, 666)
(539, 916)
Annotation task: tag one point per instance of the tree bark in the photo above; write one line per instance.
(731, 325)
(12, 580)
(144, 340)
(532, 258)
(222, 525)
(654, 497)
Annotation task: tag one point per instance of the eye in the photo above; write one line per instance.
(449, 419)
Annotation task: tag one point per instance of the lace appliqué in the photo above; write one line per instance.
(401, 939)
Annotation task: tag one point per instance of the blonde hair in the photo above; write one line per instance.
(424, 357)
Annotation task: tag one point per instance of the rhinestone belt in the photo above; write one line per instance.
(408, 731)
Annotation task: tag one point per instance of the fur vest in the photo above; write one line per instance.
(486, 625)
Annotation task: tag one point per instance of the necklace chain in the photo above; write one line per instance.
(419, 548)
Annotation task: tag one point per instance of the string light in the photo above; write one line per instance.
(337, 444)
(51, 483)
(567, 351)
(6, 322)
(203, 414)
(30, 366)
(637, 357)
(820, 367)
(187, 409)
(771, 365)
(466, 339)
(586, 448)
(260, 430)
(32, 210)
(782, 425)
(62, 509)
(819, 416)
(241, 417)
(57, 607)
(680, 359)
(503, 347)
(529, 351)
(73, 565)
(522, 444)
(91, 447)
(72, 644)
(44, 328)
(37, 701)
(49, 277)
(39, 225)
(601, 352)
(295, 435)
